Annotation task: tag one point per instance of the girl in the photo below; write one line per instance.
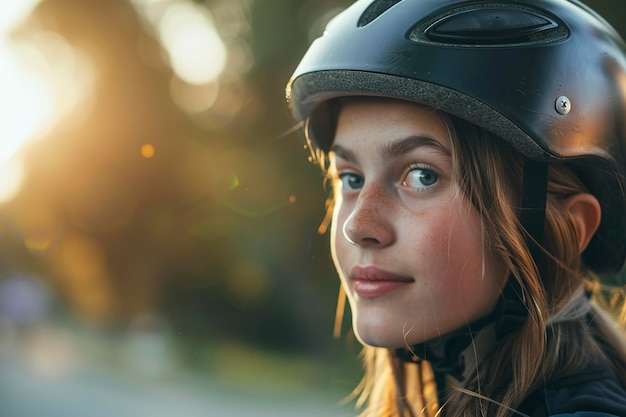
(477, 155)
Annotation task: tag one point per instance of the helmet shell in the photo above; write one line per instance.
(547, 76)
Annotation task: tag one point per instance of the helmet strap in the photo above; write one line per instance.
(512, 310)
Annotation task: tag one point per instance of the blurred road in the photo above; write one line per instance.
(97, 394)
(53, 385)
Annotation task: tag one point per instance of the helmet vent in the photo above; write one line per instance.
(490, 25)
(375, 9)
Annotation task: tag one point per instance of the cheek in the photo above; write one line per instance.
(474, 276)
(446, 238)
(454, 246)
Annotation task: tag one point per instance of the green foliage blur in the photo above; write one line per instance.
(177, 218)
(216, 229)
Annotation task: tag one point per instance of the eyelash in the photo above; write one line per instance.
(344, 176)
(420, 167)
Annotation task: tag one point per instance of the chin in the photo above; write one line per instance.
(381, 337)
(387, 342)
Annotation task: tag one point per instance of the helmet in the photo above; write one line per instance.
(547, 76)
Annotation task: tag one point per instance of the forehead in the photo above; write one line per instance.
(365, 120)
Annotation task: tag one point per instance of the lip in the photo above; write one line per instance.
(371, 282)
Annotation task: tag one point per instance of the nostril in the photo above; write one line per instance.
(370, 240)
(359, 236)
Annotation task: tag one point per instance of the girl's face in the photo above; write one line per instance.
(406, 242)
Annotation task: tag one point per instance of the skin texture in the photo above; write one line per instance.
(406, 243)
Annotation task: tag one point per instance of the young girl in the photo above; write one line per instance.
(477, 154)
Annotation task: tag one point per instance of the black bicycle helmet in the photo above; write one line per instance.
(547, 76)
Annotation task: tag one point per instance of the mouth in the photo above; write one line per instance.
(372, 282)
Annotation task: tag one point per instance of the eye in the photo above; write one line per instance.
(351, 181)
(419, 178)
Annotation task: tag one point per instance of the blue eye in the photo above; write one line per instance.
(351, 181)
(420, 178)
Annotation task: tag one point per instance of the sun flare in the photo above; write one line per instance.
(41, 79)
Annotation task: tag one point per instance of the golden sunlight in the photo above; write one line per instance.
(42, 77)
(21, 106)
(11, 176)
(25, 103)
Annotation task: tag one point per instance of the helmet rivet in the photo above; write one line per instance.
(563, 105)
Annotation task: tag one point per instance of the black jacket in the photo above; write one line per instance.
(592, 392)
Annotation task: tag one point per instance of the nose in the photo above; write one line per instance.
(370, 224)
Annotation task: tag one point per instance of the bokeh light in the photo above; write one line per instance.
(196, 51)
(186, 30)
(207, 50)
(147, 151)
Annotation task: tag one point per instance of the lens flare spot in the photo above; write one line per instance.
(39, 243)
(147, 151)
(234, 183)
(292, 199)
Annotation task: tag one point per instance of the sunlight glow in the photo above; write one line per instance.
(41, 79)
(197, 53)
(15, 97)
(11, 176)
(21, 106)
(25, 104)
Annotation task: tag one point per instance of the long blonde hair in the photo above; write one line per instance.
(489, 174)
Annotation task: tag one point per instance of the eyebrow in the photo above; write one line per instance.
(394, 148)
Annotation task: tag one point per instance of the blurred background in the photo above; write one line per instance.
(159, 245)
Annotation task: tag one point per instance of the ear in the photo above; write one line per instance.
(586, 211)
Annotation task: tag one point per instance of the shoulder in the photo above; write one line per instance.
(591, 392)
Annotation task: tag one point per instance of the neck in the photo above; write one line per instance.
(460, 353)
(457, 353)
